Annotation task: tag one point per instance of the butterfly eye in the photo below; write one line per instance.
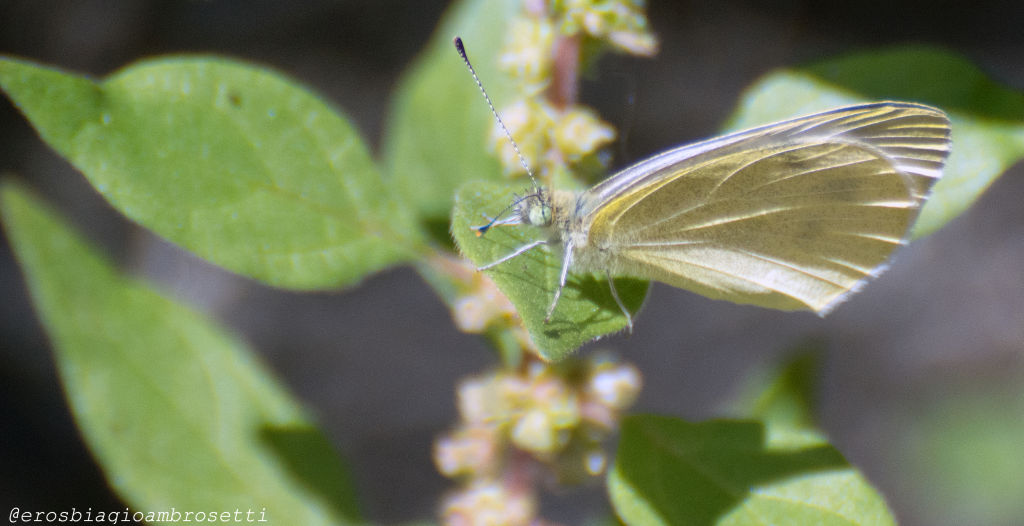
(537, 212)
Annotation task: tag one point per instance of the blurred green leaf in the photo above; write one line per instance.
(963, 455)
(586, 309)
(988, 119)
(439, 126)
(177, 412)
(787, 393)
(233, 162)
(672, 472)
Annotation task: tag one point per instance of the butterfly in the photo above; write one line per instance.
(798, 214)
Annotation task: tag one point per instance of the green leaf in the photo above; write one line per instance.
(586, 309)
(673, 472)
(988, 119)
(233, 162)
(439, 127)
(177, 412)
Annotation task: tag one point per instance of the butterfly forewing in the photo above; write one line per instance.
(792, 215)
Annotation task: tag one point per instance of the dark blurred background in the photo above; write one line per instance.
(925, 365)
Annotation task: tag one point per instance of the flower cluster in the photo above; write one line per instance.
(478, 305)
(555, 416)
(542, 55)
(492, 503)
(621, 23)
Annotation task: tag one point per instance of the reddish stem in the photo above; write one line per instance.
(565, 72)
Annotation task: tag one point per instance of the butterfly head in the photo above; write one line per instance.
(535, 209)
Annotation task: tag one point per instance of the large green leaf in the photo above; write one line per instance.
(672, 472)
(439, 126)
(233, 162)
(988, 119)
(586, 309)
(177, 412)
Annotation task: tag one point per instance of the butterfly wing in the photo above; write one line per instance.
(792, 215)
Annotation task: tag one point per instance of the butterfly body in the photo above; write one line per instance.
(791, 215)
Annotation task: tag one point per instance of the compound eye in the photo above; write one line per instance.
(545, 212)
(537, 212)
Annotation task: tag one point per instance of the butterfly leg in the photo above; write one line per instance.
(615, 294)
(566, 263)
(517, 252)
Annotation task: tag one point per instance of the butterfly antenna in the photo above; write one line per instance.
(522, 160)
(496, 220)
